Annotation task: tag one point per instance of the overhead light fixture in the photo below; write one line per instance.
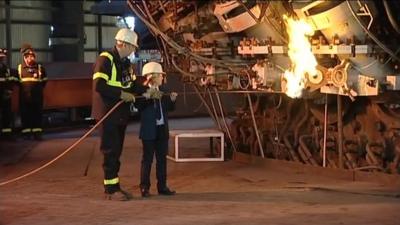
(126, 22)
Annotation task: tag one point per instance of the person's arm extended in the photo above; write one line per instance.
(170, 98)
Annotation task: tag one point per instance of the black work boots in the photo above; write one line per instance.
(166, 191)
(119, 195)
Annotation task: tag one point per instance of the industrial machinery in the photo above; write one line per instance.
(320, 79)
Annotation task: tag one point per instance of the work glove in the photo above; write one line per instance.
(127, 97)
(153, 93)
(173, 96)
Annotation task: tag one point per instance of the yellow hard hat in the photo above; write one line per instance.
(128, 36)
(152, 68)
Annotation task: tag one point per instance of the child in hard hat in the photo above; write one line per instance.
(154, 131)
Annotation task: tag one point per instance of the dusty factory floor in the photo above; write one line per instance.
(230, 192)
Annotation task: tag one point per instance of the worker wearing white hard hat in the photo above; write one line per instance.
(152, 68)
(113, 81)
(128, 36)
(127, 42)
(154, 128)
(154, 74)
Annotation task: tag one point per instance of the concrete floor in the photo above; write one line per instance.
(228, 192)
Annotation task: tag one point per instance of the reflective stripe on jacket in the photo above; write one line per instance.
(37, 78)
(113, 81)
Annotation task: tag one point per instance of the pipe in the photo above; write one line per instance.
(214, 109)
(230, 92)
(277, 137)
(200, 105)
(300, 124)
(162, 6)
(207, 106)
(184, 95)
(150, 17)
(148, 13)
(279, 103)
(306, 151)
(223, 119)
(8, 33)
(371, 155)
(255, 126)
(368, 167)
(99, 34)
(288, 118)
(291, 150)
(340, 130)
(390, 16)
(325, 131)
(181, 50)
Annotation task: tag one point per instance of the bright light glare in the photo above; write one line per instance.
(130, 21)
(301, 56)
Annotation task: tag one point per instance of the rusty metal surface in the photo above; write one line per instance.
(371, 134)
(65, 93)
(69, 85)
(68, 93)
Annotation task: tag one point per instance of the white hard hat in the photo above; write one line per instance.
(152, 67)
(128, 36)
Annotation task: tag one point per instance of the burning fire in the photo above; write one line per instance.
(303, 60)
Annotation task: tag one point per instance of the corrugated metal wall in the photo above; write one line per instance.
(2, 25)
(30, 23)
(108, 29)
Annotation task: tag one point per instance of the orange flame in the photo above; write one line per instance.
(301, 56)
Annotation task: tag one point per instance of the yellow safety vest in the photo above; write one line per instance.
(25, 79)
(113, 81)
